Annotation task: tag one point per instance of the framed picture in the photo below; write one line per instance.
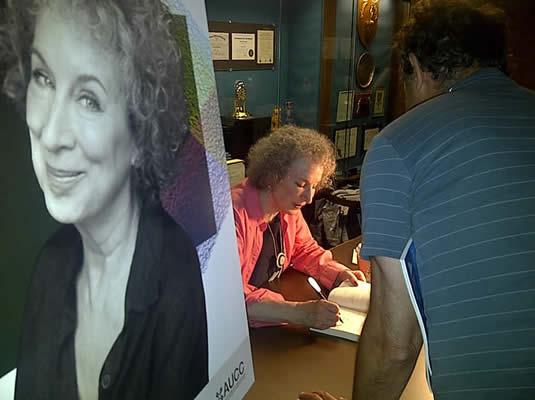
(379, 102)
(345, 142)
(240, 46)
(345, 105)
(362, 105)
(369, 134)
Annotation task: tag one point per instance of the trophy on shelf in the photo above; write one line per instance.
(276, 118)
(240, 98)
(289, 106)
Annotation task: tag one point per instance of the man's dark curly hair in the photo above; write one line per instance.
(139, 33)
(447, 36)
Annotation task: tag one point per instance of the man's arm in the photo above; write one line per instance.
(391, 338)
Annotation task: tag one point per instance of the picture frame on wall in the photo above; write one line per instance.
(243, 46)
(362, 105)
(369, 134)
(378, 102)
(345, 142)
(220, 45)
(344, 108)
(237, 46)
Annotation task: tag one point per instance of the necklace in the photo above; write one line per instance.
(281, 256)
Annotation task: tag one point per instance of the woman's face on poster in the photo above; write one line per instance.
(81, 145)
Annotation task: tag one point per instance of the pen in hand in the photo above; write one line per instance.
(317, 288)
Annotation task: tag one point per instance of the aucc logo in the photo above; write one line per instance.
(231, 381)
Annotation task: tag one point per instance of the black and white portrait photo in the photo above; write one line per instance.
(110, 298)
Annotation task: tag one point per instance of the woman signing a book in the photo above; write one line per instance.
(284, 171)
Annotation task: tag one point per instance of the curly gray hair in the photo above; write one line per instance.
(270, 158)
(140, 34)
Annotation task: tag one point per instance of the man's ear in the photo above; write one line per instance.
(425, 86)
(419, 74)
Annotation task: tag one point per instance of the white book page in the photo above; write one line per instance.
(351, 327)
(354, 297)
(353, 320)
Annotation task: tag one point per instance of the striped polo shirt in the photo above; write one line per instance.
(457, 176)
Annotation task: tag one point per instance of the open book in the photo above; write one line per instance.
(353, 302)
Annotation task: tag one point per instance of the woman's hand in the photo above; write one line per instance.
(321, 395)
(351, 276)
(319, 314)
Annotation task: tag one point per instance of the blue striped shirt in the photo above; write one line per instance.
(457, 175)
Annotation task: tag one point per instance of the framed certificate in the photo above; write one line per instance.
(219, 42)
(345, 142)
(243, 46)
(369, 134)
(344, 110)
(265, 46)
(238, 46)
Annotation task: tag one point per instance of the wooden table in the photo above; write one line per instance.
(288, 360)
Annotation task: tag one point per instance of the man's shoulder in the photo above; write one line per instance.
(427, 125)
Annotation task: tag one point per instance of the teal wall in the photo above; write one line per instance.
(21, 205)
(262, 90)
(296, 74)
(303, 23)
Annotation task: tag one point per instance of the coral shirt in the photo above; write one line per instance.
(302, 251)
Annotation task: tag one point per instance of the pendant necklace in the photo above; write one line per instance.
(281, 256)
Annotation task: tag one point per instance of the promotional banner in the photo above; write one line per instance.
(120, 273)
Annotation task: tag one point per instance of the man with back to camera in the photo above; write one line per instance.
(456, 175)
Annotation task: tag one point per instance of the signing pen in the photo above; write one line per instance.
(317, 288)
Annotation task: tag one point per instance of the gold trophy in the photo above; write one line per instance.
(276, 119)
(240, 98)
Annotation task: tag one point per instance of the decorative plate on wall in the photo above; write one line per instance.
(365, 70)
(367, 20)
